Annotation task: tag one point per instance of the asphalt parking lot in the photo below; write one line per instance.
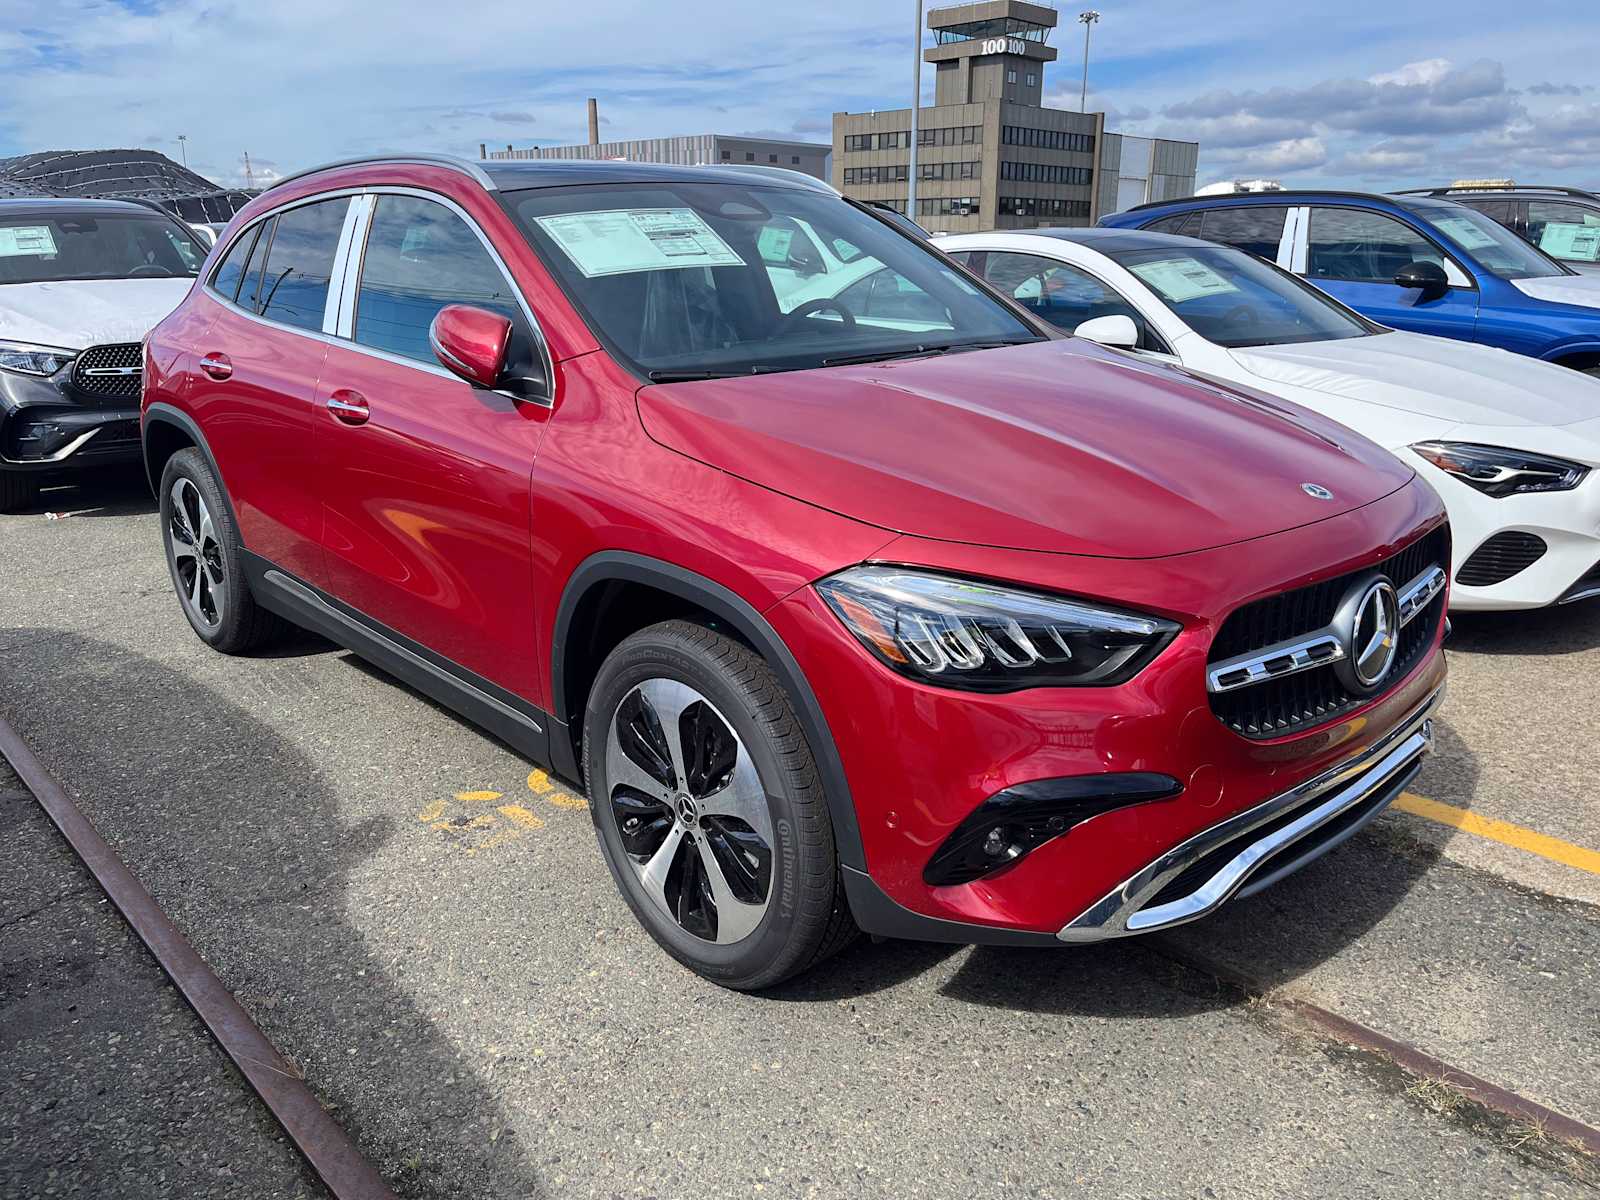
(425, 928)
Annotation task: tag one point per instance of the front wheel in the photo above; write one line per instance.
(709, 807)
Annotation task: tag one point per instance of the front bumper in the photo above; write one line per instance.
(1254, 849)
(46, 427)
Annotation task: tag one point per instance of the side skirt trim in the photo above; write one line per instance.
(521, 725)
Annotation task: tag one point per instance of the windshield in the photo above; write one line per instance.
(691, 279)
(1234, 299)
(1495, 248)
(43, 249)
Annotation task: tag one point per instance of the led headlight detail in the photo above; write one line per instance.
(1497, 471)
(33, 360)
(985, 637)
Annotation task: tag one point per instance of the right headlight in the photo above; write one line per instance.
(1497, 471)
(986, 637)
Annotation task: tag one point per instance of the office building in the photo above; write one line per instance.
(990, 154)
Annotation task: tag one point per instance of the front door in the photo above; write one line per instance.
(426, 478)
(1353, 254)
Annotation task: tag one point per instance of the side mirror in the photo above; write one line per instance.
(1429, 277)
(1118, 332)
(471, 342)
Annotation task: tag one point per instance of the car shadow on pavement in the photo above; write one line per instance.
(245, 845)
(1562, 629)
(121, 491)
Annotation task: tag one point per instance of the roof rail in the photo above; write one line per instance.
(464, 165)
(1257, 197)
(1508, 188)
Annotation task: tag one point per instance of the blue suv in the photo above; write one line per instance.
(1411, 262)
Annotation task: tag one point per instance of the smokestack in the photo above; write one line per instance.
(483, 150)
(594, 121)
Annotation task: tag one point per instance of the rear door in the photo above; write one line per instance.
(1353, 254)
(425, 478)
(255, 376)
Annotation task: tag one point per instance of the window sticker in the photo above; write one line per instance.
(626, 240)
(1467, 235)
(1180, 279)
(19, 240)
(1576, 243)
(773, 243)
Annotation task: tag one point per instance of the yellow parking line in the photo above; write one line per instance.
(1501, 831)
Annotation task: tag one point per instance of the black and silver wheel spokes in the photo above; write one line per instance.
(691, 811)
(196, 555)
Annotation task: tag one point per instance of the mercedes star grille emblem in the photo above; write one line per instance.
(1316, 491)
(1368, 624)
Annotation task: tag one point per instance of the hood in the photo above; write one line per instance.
(1583, 290)
(77, 313)
(1056, 446)
(1458, 382)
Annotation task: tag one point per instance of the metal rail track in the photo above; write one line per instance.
(341, 1167)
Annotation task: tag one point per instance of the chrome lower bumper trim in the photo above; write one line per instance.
(1323, 798)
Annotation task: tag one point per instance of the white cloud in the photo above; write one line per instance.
(1429, 70)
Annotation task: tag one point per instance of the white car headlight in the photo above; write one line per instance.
(33, 360)
(1498, 471)
(986, 637)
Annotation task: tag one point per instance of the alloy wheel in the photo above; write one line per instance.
(196, 555)
(691, 811)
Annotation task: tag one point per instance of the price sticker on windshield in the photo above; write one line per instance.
(625, 240)
(1466, 233)
(1578, 243)
(1180, 279)
(31, 240)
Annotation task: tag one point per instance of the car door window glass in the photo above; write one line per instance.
(888, 298)
(1353, 244)
(1060, 294)
(225, 282)
(1254, 229)
(1566, 231)
(421, 257)
(251, 289)
(1184, 224)
(294, 286)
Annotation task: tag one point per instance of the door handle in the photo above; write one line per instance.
(350, 407)
(217, 365)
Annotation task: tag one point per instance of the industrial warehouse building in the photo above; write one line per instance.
(990, 155)
(691, 150)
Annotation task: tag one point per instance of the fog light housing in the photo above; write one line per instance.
(1011, 824)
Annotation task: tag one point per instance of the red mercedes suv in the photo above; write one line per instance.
(854, 598)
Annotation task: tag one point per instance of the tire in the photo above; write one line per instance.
(220, 609)
(748, 893)
(18, 491)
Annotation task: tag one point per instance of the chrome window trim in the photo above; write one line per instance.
(1121, 912)
(358, 257)
(352, 246)
(1413, 598)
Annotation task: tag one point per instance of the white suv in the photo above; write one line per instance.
(81, 283)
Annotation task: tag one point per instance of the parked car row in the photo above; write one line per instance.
(856, 592)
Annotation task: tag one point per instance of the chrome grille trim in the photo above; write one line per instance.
(1317, 649)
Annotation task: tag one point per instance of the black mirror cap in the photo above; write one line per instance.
(1428, 277)
(1013, 823)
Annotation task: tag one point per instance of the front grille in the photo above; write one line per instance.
(117, 359)
(1501, 557)
(1294, 702)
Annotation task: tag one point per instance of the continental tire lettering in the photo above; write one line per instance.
(786, 849)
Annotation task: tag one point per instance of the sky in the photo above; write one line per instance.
(1355, 94)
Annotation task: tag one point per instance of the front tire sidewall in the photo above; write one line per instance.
(767, 954)
(227, 636)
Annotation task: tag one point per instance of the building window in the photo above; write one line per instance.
(1011, 76)
(727, 156)
(772, 158)
(794, 160)
(1036, 206)
(1032, 79)
(1047, 139)
(1030, 172)
(749, 157)
(947, 206)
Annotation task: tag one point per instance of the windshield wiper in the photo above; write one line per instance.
(918, 351)
(692, 376)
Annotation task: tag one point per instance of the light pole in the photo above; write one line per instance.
(183, 149)
(916, 103)
(1088, 17)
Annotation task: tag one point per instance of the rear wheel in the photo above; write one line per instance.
(709, 808)
(203, 558)
(18, 490)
